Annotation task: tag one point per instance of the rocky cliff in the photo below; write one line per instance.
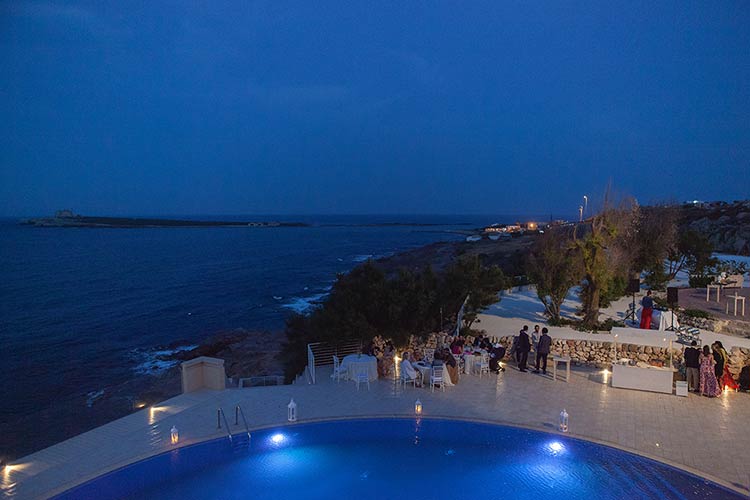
(727, 225)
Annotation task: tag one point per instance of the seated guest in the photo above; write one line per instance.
(485, 344)
(478, 340)
(451, 366)
(456, 347)
(408, 371)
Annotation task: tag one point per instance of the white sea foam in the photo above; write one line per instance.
(303, 305)
(154, 362)
(92, 396)
(362, 258)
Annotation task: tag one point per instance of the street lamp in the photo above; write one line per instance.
(585, 203)
(580, 213)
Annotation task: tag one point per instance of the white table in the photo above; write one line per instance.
(356, 363)
(469, 361)
(654, 379)
(708, 291)
(737, 298)
(662, 319)
(560, 359)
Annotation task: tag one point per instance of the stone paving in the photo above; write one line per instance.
(706, 436)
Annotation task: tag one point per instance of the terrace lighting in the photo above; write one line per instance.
(174, 435)
(292, 411)
(418, 407)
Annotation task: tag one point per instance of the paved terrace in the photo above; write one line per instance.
(706, 436)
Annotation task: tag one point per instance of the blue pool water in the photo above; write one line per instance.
(399, 458)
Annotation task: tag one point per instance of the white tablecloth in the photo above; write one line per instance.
(426, 370)
(356, 363)
(661, 319)
(469, 361)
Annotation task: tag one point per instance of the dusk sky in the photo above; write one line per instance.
(369, 107)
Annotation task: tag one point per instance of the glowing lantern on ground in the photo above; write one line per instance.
(564, 421)
(174, 434)
(418, 407)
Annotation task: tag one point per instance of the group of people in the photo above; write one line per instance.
(539, 342)
(707, 369)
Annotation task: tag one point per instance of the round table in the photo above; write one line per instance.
(357, 363)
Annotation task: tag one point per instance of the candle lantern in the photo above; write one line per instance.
(174, 435)
(418, 407)
(564, 421)
(292, 407)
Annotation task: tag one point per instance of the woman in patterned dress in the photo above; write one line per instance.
(709, 384)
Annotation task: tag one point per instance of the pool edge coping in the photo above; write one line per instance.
(402, 416)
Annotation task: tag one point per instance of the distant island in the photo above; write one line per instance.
(66, 218)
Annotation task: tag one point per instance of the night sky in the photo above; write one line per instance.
(369, 107)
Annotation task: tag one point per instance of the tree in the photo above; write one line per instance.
(692, 251)
(467, 277)
(603, 255)
(551, 266)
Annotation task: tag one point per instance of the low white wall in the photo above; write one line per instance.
(203, 373)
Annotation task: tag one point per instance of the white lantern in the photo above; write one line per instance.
(292, 407)
(418, 407)
(174, 434)
(563, 421)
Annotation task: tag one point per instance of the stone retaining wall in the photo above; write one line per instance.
(600, 354)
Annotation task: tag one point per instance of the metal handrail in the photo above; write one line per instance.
(237, 413)
(220, 415)
(311, 363)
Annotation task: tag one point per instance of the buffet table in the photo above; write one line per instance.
(654, 379)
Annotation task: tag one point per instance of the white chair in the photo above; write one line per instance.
(338, 372)
(482, 365)
(436, 378)
(362, 377)
(406, 380)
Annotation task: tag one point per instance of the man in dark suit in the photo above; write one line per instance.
(524, 346)
(542, 350)
(692, 367)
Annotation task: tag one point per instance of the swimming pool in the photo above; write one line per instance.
(398, 458)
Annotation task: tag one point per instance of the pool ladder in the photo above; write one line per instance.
(237, 442)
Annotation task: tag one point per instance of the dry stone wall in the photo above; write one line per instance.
(600, 354)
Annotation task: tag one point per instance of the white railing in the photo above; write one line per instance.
(311, 363)
(321, 354)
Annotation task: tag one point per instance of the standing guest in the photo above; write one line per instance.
(745, 378)
(692, 366)
(524, 345)
(542, 350)
(516, 341)
(647, 311)
(709, 384)
(535, 338)
(718, 359)
(726, 381)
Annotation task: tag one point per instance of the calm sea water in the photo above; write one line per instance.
(82, 308)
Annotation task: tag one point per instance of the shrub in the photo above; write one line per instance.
(700, 281)
(697, 313)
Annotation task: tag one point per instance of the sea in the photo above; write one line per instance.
(82, 308)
